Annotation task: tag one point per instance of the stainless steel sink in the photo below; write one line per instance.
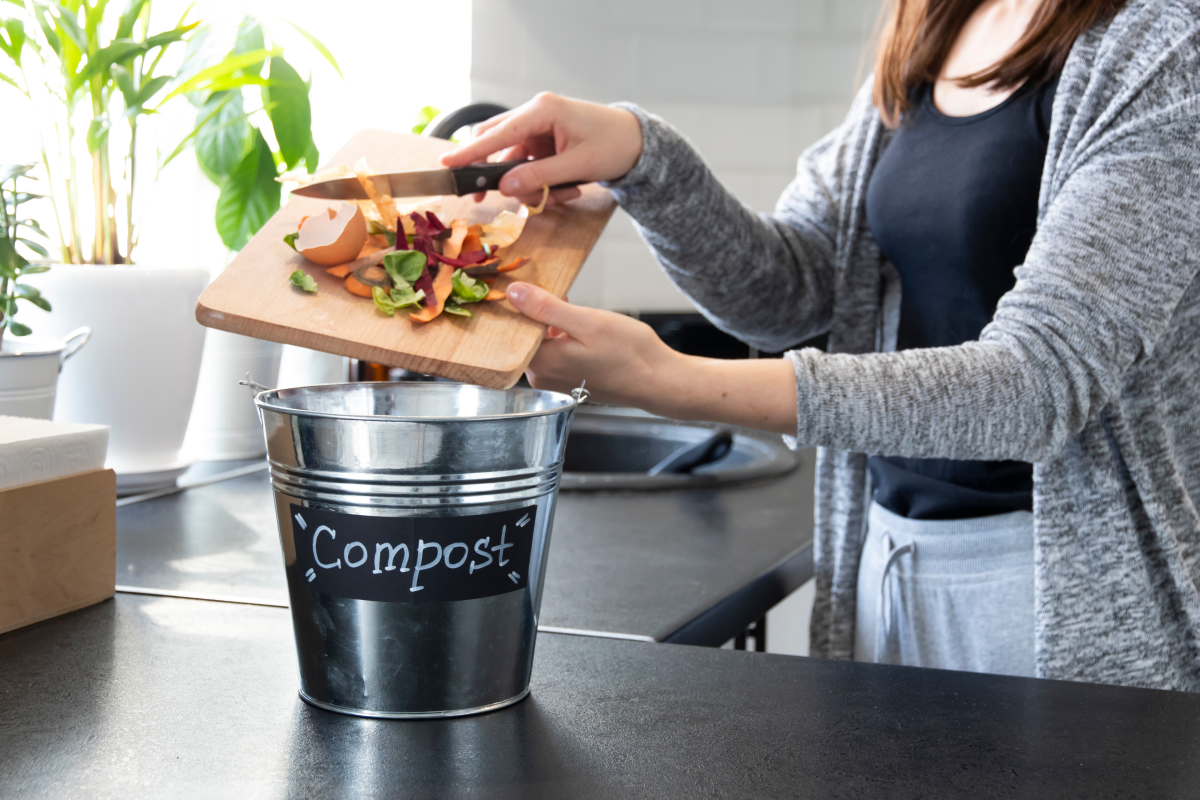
(612, 450)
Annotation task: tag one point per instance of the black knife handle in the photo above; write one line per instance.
(486, 177)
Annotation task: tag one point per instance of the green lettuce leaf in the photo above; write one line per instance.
(466, 288)
(457, 310)
(390, 302)
(290, 239)
(404, 267)
(302, 280)
(375, 229)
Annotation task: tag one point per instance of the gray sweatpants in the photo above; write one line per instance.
(955, 594)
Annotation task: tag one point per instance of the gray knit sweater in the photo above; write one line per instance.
(1090, 368)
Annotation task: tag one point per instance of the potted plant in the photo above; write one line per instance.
(242, 138)
(29, 366)
(92, 73)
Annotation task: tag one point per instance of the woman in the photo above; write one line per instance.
(1009, 459)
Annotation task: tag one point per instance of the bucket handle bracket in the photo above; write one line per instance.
(581, 394)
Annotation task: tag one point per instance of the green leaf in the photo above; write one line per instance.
(24, 197)
(249, 38)
(129, 18)
(249, 196)
(10, 171)
(9, 81)
(223, 140)
(93, 14)
(302, 280)
(150, 88)
(290, 239)
(35, 247)
(13, 40)
(466, 288)
(17, 329)
(375, 229)
(312, 157)
(457, 310)
(34, 270)
(228, 67)
(68, 23)
(125, 83)
(425, 116)
(105, 57)
(36, 299)
(46, 23)
(390, 302)
(404, 267)
(382, 301)
(407, 297)
(167, 38)
(97, 133)
(320, 48)
(33, 226)
(291, 116)
(11, 262)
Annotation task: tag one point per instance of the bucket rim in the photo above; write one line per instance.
(567, 403)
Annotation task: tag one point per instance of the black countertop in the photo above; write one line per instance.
(161, 697)
(688, 566)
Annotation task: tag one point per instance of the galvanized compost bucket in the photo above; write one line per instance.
(415, 520)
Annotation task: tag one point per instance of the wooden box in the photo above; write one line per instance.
(58, 547)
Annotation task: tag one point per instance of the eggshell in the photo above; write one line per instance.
(334, 237)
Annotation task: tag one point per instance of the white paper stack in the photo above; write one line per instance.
(35, 450)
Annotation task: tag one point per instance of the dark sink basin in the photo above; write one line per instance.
(612, 450)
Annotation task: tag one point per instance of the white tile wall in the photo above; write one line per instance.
(751, 83)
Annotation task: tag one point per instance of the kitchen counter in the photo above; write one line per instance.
(162, 697)
(693, 567)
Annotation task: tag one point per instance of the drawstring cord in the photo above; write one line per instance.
(883, 622)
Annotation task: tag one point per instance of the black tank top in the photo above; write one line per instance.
(952, 204)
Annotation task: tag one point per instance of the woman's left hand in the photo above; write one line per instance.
(625, 363)
(622, 359)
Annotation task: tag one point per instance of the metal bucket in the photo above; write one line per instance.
(415, 520)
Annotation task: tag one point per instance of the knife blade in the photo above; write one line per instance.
(456, 181)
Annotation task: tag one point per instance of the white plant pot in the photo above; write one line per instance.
(29, 368)
(302, 367)
(225, 422)
(138, 375)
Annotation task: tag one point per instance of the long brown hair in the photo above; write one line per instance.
(916, 37)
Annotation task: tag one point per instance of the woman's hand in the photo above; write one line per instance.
(622, 359)
(625, 363)
(571, 140)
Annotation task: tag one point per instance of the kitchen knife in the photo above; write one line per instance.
(457, 181)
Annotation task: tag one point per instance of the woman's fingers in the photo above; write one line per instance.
(531, 119)
(529, 178)
(538, 304)
(483, 127)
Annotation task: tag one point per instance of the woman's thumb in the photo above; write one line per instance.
(538, 304)
(549, 171)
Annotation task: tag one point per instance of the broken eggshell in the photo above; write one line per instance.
(335, 237)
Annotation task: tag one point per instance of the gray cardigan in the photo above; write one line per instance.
(1090, 368)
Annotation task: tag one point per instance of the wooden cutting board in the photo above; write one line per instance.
(253, 297)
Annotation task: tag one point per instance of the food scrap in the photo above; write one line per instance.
(302, 280)
(406, 261)
(331, 238)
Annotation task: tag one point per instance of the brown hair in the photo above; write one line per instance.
(916, 37)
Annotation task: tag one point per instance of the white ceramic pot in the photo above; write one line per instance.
(225, 422)
(29, 368)
(138, 374)
(302, 367)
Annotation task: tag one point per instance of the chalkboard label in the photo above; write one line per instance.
(413, 559)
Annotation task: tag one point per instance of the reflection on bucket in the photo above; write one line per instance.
(415, 519)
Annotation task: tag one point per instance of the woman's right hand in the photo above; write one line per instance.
(570, 140)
